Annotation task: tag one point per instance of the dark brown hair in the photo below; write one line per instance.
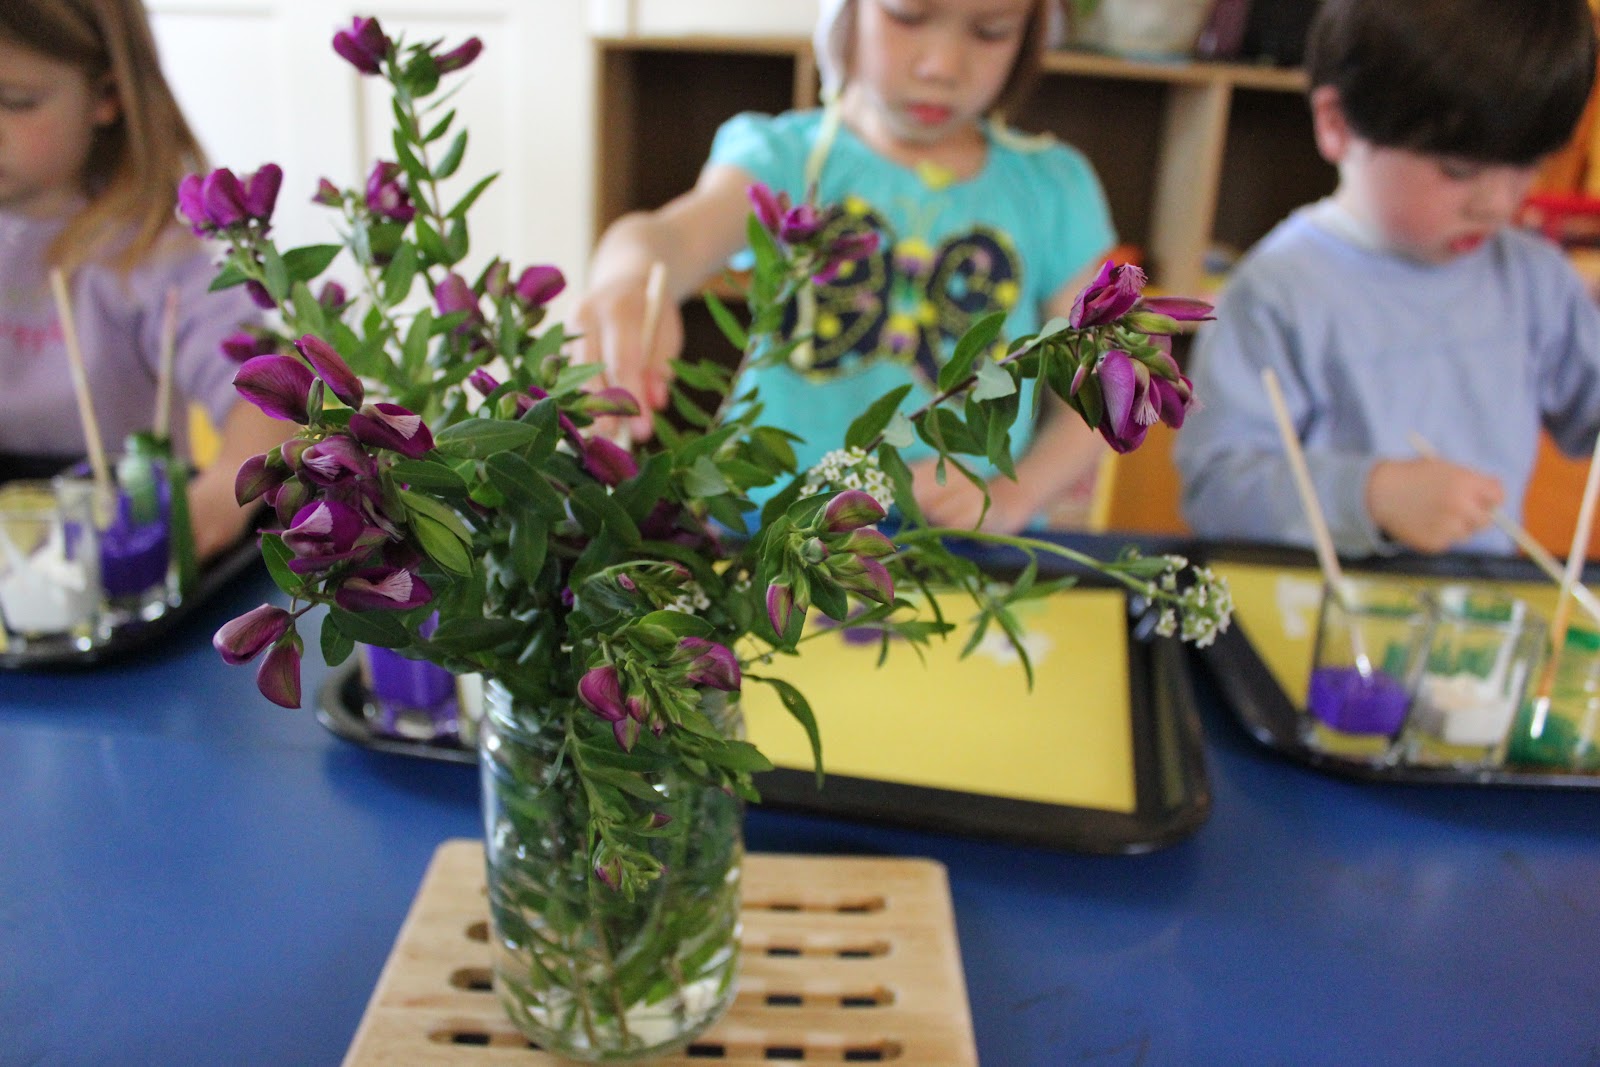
(135, 163)
(1493, 81)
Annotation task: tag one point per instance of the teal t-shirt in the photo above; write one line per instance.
(949, 252)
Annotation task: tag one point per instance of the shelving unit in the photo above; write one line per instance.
(1191, 154)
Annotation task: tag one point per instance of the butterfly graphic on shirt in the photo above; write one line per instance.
(909, 301)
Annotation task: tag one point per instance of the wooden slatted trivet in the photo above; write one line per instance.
(846, 960)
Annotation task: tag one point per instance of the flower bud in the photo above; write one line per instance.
(608, 462)
(332, 297)
(1181, 308)
(460, 56)
(259, 296)
(242, 345)
(626, 731)
(483, 381)
(278, 677)
(770, 207)
(539, 285)
(873, 582)
(612, 400)
(328, 194)
(1113, 292)
(332, 369)
(782, 608)
(278, 385)
(812, 550)
(453, 295)
(713, 665)
(867, 542)
(241, 640)
(256, 476)
(601, 689)
(364, 45)
(851, 510)
(192, 205)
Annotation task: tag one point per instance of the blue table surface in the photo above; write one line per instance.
(190, 875)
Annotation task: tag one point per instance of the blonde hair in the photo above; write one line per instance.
(835, 42)
(131, 176)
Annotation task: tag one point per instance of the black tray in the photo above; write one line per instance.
(1172, 793)
(132, 636)
(1267, 715)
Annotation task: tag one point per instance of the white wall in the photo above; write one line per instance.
(260, 82)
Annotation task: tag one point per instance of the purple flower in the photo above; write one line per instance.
(332, 369)
(192, 205)
(332, 297)
(242, 345)
(539, 285)
(393, 427)
(382, 589)
(278, 385)
(257, 476)
(483, 381)
(364, 45)
(800, 224)
(326, 532)
(851, 510)
(261, 192)
(1122, 396)
(601, 689)
(1112, 294)
(259, 296)
(334, 459)
(386, 193)
(453, 295)
(241, 640)
(278, 677)
(847, 248)
(713, 665)
(609, 462)
(769, 207)
(867, 542)
(873, 583)
(224, 198)
(459, 56)
(287, 499)
(1171, 393)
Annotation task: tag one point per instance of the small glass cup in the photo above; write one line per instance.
(136, 544)
(1372, 642)
(1486, 647)
(1556, 726)
(50, 592)
(409, 699)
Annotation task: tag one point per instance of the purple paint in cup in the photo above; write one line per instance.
(1344, 699)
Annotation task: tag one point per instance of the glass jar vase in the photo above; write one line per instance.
(584, 971)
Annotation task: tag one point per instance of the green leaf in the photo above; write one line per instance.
(277, 272)
(417, 504)
(336, 644)
(399, 274)
(993, 382)
(899, 476)
(899, 433)
(441, 545)
(479, 438)
(431, 244)
(462, 635)
(609, 511)
(463, 205)
(381, 628)
(870, 423)
(979, 336)
(800, 708)
(530, 544)
(452, 157)
(726, 322)
(227, 278)
(523, 484)
(737, 756)
(439, 128)
(277, 555)
(306, 263)
(423, 474)
(703, 479)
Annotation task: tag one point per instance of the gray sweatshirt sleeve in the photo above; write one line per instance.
(1237, 481)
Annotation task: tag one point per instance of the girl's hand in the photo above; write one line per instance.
(219, 523)
(958, 503)
(1431, 504)
(612, 321)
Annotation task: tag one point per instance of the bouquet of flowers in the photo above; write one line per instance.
(446, 494)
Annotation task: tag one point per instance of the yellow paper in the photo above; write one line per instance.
(970, 725)
(1277, 608)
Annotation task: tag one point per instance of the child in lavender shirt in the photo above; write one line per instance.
(1404, 304)
(92, 147)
